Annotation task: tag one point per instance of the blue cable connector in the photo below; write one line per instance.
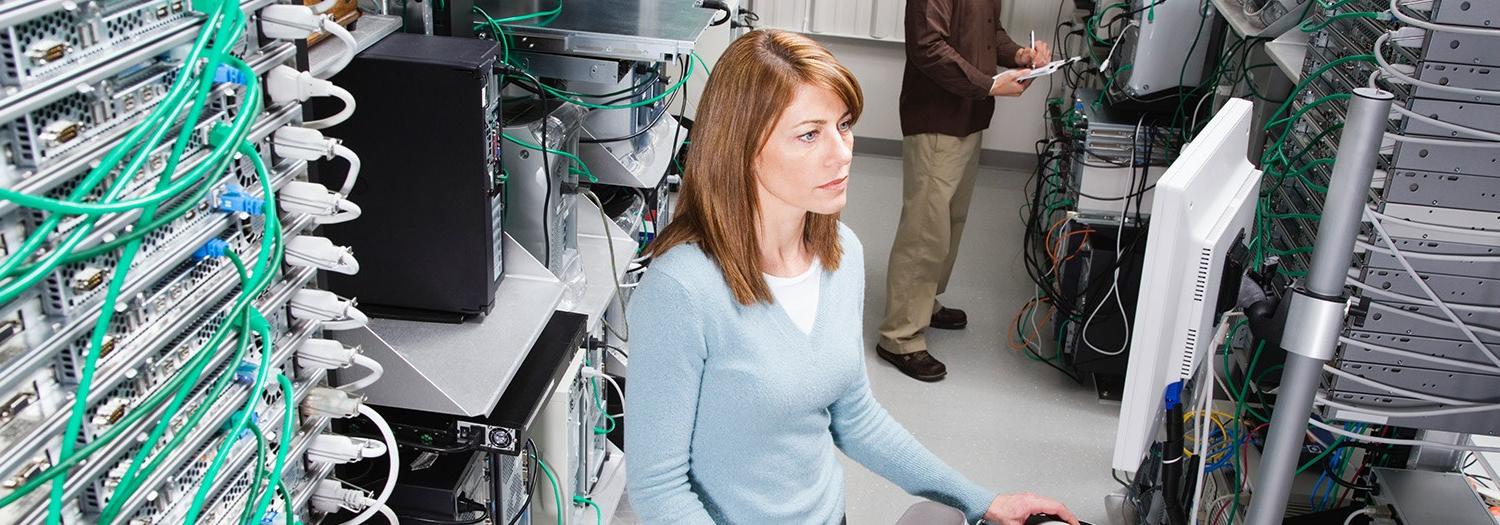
(213, 248)
(230, 75)
(1174, 395)
(236, 200)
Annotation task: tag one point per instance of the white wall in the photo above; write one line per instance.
(878, 65)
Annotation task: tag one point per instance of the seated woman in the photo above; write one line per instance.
(747, 364)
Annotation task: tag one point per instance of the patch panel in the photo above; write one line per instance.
(1456, 75)
(142, 185)
(1456, 384)
(108, 455)
(1480, 260)
(182, 469)
(1466, 13)
(51, 132)
(74, 290)
(45, 45)
(1461, 48)
(156, 359)
(100, 113)
(1466, 114)
(1457, 350)
(176, 295)
(1464, 423)
(1446, 190)
(75, 78)
(72, 327)
(1381, 317)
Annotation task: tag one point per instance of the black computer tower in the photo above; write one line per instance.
(1087, 275)
(429, 241)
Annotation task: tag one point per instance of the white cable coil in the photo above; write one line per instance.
(335, 448)
(376, 371)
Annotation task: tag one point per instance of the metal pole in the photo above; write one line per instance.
(1316, 314)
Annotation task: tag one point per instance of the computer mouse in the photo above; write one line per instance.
(1048, 519)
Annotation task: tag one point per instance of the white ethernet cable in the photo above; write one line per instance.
(1395, 389)
(1409, 412)
(284, 84)
(304, 143)
(1477, 367)
(333, 311)
(331, 495)
(296, 22)
(1375, 218)
(311, 251)
(311, 198)
(1409, 20)
(1387, 294)
(376, 371)
(1404, 442)
(1425, 255)
(1392, 71)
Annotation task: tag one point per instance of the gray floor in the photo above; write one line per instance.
(1008, 423)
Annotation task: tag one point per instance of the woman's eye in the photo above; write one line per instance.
(809, 136)
(845, 125)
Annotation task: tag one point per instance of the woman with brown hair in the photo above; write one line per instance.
(747, 364)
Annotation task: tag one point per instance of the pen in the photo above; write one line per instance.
(1033, 40)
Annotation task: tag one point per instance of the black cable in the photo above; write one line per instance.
(529, 452)
(718, 5)
(681, 112)
(644, 130)
(1172, 468)
(638, 90)
(471, 446)
(481, 518)
(546, 163)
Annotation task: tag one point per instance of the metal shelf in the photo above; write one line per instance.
(621, 164)
(613, 29)
(368, 30)
(593, 243)
(1238, 20)
(462, 369)
(1288, 51)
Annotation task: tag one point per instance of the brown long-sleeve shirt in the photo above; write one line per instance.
(953, 48)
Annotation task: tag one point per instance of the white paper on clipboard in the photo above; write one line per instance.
(1049, 69)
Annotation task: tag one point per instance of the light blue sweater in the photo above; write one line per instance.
(734, 413)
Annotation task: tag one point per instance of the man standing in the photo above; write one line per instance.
(953, 48)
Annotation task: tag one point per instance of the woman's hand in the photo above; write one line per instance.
(1014, 509)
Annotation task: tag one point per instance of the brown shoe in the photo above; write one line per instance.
(949, 319)
(919, 365)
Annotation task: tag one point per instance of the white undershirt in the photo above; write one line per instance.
(798, 295)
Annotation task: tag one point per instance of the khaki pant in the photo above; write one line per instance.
(939, 173)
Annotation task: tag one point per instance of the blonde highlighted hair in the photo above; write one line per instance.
(752, 84)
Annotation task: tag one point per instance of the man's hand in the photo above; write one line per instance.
(1014, 509)
(1007, 85)
(1034, 57)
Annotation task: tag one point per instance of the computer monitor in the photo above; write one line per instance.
(1205, 204)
